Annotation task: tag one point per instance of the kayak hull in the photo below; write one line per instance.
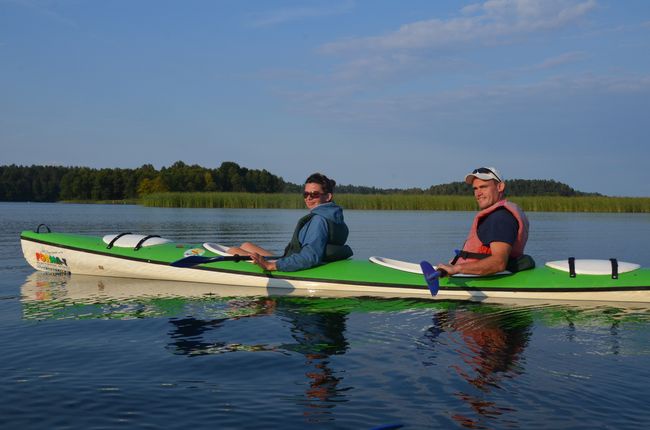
(89, 255)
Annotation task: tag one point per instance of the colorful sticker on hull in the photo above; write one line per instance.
(51, 263)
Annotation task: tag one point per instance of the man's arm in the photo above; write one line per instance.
(495, 263)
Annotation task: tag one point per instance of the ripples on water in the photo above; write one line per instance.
(346, 362)
(89, 352)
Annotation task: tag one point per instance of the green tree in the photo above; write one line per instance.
(150, 186)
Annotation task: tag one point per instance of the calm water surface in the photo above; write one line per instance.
(102, 353)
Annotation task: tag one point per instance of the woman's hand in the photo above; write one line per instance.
(262, 262)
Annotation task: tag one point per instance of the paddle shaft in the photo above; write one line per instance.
(194, 260)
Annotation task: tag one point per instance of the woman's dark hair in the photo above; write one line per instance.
(326, 183)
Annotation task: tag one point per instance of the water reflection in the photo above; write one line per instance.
(316, 336)
(475, 352)
(493, 343)
(190, 336)
(489, 344)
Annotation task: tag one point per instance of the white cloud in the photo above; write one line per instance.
(426, 48)
(479, 23)
(405, 78)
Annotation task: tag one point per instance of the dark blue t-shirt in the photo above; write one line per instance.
(499, 226)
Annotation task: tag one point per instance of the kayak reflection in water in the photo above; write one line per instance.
(319, 236)
(317, 336)
(191, 335)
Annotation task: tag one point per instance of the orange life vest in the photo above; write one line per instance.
(473, 244)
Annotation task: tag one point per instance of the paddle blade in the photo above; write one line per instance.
(431, 276)
(193, 260)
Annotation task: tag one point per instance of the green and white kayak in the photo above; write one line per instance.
(150, 257)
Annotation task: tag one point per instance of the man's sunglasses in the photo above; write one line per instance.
(487, 171)
(313, 194)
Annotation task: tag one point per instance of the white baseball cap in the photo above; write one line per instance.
(484, 173)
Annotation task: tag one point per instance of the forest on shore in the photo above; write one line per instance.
(60, 183)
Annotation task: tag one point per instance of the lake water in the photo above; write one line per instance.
(101, 353)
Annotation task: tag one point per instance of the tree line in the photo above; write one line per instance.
(515, 187)
(54, 183)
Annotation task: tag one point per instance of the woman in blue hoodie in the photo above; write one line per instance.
(319, 236)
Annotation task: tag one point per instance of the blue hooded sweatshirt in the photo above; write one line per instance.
(313, 238)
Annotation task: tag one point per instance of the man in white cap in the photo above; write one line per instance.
(499, 232)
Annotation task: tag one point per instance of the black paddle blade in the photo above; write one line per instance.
(194, 260)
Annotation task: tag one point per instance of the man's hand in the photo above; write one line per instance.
(451, 270)
(495, 263)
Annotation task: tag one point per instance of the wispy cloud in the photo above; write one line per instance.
(282, 16)
(478, 23)
(469, 101)
(378, 68)
(559, 60)
(426, 48)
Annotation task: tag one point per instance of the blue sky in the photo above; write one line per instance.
(374, 92)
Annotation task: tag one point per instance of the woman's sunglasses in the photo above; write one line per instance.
(312, 194)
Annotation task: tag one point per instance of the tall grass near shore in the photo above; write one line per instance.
(395, 202)
(584, 204)
(224, 200)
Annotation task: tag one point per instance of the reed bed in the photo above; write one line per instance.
(410, 202)
(103, 202)
(584, 204)
(224, 200)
